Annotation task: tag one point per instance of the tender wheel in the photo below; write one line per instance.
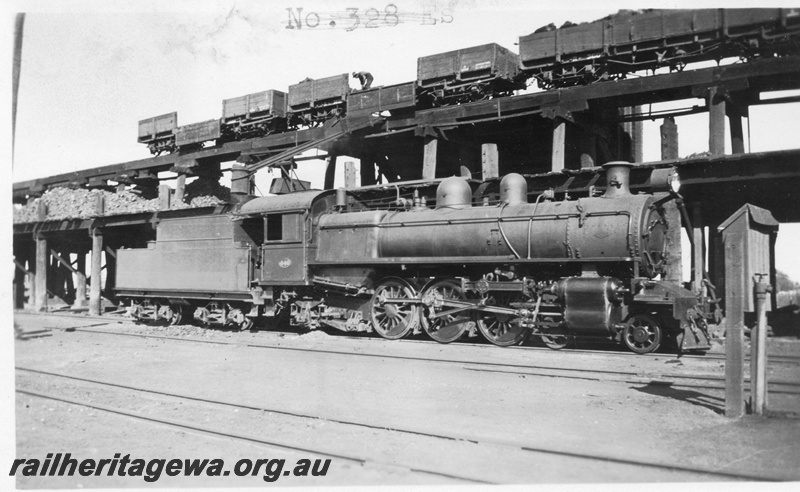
(203, 316)
(392, 316)
(171, 314)
(503, 330)
(642, 334)
(237, 319)
(448, 328)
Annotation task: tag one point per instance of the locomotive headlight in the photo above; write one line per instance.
(674, 181)
(665, 179)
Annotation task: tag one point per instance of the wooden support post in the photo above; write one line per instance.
(489, 161)
(349, 175)
(69, 284)
(737, 134)
(180, 188)
(734, 335)
(716, 262)
(111, 273)
(669, 139)
(758, 352)
(330, 173)
(164, 196)
(240, 183)
(429, 158)
(559, 144)
(19, 284)
(716, 122)
(95, 299)
(675, 265)
(80, 285)
(699, 250)
(636, 132)
(40, 290)
(99, 205)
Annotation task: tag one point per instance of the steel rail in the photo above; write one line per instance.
(778, 359)
(517, 446)
(658, 379)
(236, 436)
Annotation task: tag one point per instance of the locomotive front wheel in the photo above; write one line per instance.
(393, 318)
(449, 328)
(558, 339)
(642, 334)
(501, 329)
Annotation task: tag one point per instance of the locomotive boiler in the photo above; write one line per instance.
(495, 264)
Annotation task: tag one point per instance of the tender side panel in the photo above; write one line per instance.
(190, 266)
(207, 254)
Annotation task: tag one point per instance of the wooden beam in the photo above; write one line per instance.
(63, 261)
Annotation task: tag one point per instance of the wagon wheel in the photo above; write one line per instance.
(391, 317)
(172, 314)
(557, 338)
(642, 334)
(449, 328)
(503, 330)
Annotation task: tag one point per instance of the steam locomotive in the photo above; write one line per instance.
(605, 49)
(467, 261)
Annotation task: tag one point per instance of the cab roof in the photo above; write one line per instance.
(297, 201)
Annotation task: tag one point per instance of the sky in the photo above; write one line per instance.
(92, 69)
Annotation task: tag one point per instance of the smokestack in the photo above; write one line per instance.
(618, 179)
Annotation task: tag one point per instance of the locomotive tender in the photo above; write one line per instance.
(507, 268)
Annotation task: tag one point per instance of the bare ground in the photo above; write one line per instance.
(475, 414)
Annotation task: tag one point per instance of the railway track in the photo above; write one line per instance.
(612, 350)
(514, 454)
(643, 377)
